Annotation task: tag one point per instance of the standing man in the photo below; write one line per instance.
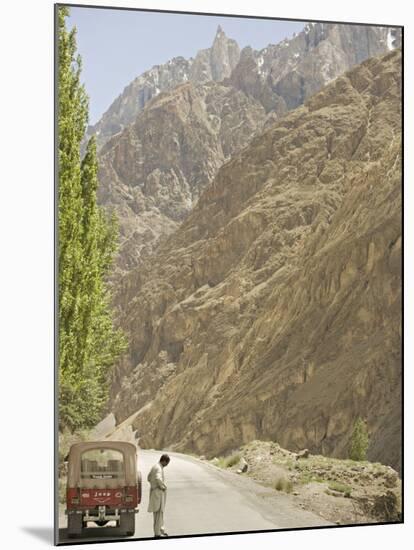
(158, 495)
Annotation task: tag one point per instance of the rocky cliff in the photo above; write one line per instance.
(181, 121)
(154, 171)
(274, 310)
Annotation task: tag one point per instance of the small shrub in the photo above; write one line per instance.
(232, 460)
(283, 484)
(359, 441)
(229, 461)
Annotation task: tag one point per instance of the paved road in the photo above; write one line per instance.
(203, 499)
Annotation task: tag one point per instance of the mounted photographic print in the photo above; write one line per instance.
(228, 274)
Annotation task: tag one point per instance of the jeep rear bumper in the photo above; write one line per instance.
(102, 514)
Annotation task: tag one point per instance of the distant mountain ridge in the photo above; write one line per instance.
(284, 75)
(261, 73)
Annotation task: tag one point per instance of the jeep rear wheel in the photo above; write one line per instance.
(127, 524)
(74, 525)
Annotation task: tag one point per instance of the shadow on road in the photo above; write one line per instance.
(90, 534)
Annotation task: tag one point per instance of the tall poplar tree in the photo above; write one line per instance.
(88, 342)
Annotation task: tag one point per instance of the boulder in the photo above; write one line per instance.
(242, 466)
(302, 454)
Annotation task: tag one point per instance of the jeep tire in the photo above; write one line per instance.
(127, 523)
(74, 525)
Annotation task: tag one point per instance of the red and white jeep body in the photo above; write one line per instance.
(103, 485)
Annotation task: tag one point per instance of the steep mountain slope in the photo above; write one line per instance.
(274, 311)
(154, 171)
(213, 63)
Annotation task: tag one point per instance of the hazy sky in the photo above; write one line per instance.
(118, 45)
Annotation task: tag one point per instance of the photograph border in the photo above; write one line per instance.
(56, 273)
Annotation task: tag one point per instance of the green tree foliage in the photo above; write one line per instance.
(359, 441)
(88, 342)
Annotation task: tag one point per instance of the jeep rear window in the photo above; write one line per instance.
(102, 464)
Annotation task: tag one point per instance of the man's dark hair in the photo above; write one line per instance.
(165, 458)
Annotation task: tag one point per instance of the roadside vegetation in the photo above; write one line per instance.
(89, 343)
(359, 441)
(282, 483)
(229, 461)
(344, 491)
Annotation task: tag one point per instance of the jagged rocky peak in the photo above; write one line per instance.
(284, 75)
(393, 38)
(137, 94)
(214, 63)
(217, 62)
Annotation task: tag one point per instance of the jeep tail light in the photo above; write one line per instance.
(72, 496)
